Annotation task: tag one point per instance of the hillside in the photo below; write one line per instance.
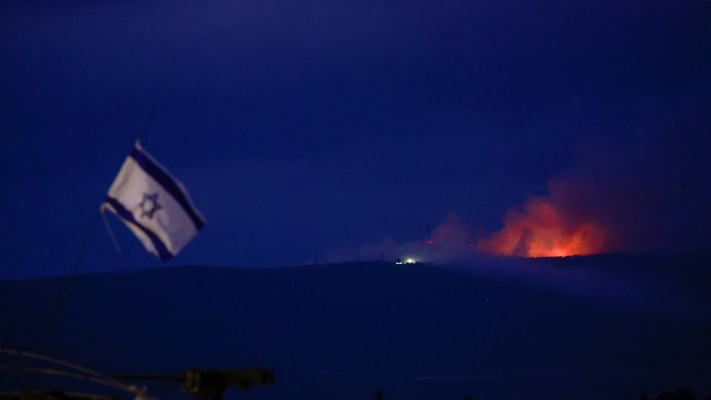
(415, 331)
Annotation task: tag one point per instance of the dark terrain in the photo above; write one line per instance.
(415, 331)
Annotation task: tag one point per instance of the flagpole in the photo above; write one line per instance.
(67, 286)
(70, 278)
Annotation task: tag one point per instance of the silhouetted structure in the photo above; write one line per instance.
(684, 393)
(210, 383)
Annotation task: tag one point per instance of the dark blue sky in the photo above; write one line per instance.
(302, 125)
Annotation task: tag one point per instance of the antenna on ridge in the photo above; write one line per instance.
(428, 239)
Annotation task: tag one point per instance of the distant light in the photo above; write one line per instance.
(406, 261)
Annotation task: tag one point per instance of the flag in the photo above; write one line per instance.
(153, 204)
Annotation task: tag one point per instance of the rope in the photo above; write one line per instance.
(22, 353)
(111, 232)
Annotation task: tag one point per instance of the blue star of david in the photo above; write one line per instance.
(149, 205)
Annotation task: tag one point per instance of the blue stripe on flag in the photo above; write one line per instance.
(126, 215)
(157, 173)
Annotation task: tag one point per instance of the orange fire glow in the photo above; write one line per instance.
(542, 230)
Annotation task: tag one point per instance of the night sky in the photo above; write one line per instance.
(342, 130)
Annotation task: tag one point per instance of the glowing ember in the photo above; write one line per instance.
(543, 231)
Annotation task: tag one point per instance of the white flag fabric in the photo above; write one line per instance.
(153, 204)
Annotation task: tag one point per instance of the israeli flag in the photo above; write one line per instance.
(153, 204)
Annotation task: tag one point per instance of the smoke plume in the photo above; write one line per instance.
(648, 192)
(449, 241)
(545, 229)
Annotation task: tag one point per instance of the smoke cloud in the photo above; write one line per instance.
(545, 229)
(646, 193)
(449, 241)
